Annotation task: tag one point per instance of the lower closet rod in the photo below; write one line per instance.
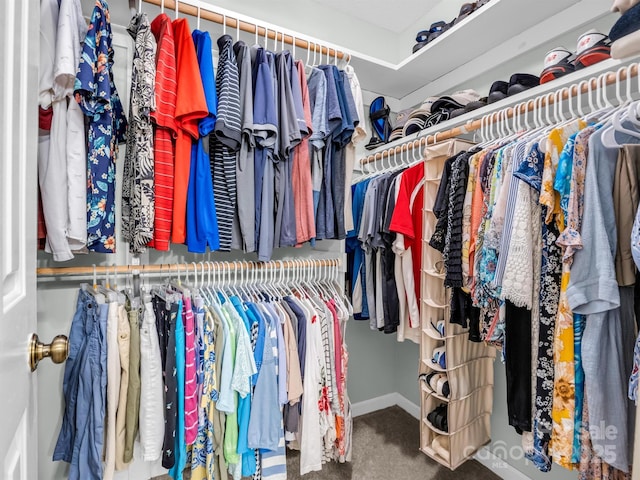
(231, 266)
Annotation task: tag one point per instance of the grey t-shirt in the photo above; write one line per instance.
(317, 83)
(244, 219)
(285, 223)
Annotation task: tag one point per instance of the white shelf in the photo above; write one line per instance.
(491, 26)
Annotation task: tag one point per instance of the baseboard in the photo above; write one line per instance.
(408, 406)
(374, 404)
(386, 401)
(483, 456)
(498, 466)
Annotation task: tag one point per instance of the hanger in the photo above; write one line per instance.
(177, 5)
(626, 112)
(162, 7)
(176, 285)
(198, 20)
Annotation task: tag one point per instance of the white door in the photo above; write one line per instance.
(19, 20)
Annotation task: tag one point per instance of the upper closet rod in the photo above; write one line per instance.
(207, 12)
(183, 267)
(546, 100)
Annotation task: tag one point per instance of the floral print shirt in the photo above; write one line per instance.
(98, 98)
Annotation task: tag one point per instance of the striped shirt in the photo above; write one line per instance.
(226, 141)
(165, 131)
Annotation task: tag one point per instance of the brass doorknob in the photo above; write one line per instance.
(57, 350)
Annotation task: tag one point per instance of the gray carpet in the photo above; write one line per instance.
(386, 446)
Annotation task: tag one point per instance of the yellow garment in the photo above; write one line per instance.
(564, 386)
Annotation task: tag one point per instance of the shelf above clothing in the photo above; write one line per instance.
(494, 25)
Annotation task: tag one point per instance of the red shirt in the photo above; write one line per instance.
(165, 131)
(407, 217)
(191, 106)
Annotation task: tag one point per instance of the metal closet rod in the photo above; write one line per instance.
(184, 267)
(213, 16)
(529, 106)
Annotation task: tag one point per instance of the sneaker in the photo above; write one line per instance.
(593, 47)
(557, 63)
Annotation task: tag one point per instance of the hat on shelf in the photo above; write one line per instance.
(396, 133)
(455, 100)
(519, 82)
(424, 110)
(440, 357)
(413, 125)
(401, 118)
(628, 23)
(593, 47)
(498, 91)
(557, 63)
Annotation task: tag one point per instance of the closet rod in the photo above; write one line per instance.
(184, 267)
(206, 13)
(548, 99)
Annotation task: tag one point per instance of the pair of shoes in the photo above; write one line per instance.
(436, 29)
(593, 47)
(379, 115)
(438, 418)
(424, 37)
(519, 82)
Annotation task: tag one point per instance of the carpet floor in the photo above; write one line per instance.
(385, 447)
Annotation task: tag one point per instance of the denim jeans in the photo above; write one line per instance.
(81, 437)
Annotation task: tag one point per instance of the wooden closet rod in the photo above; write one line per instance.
(585, 86)
(184, 267)
(213, 16)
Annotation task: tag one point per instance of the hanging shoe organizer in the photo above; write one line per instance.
(446, 350)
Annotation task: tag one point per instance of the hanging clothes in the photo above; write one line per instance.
(98, 98)
(138, 196)
(227, 361)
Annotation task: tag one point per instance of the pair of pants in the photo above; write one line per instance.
(151, 389)
(166, 316)
(81, 438)
(133, 389)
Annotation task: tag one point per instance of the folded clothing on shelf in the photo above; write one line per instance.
(625, 33)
